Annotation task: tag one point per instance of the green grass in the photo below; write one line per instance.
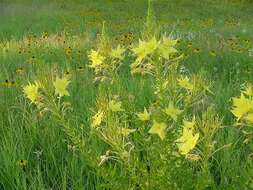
(41, 140)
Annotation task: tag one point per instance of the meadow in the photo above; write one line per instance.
(126, 94)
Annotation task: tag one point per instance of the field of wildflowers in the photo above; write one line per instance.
(126, 95)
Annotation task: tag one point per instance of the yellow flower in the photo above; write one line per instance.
(167, 47)
(186, 146)
(241, 106)
(97, 119)
(32, 92)
(125, 131)
(249, 118)
(61, 85)
(249, 90)
(189, 124)
(115, 106)
(145, 48)
(95, 58)
(187, 141)
(145, 116)
(22, 162)
(172, 111)
(184, 82)
(158, 129)
(117, 53)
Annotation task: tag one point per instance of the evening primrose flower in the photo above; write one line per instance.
(144, 116)
(61, 85)
(115, 106)
(96, 59)
(184, 82)
(32, 92)
(97, 119)
(172, 111)
(145, 48)
(248, 90)
(241, 106)
(117, 53)
(158, 129)
(188, 140)
(166, 48)
(126, 131)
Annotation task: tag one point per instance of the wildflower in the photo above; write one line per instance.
(125, 131)
(172, 111)
(166, 48)
(117, 53)
(159, 129)
(144, 116)
(115, 106)
(68, 51)
(97, 119)
(187, 141)
(185, 83)
(145, 48)
(249, 118)
(249, 90)
(95, 58)
(32, 92)
(22, 163)
(60, 85)
(241, 106)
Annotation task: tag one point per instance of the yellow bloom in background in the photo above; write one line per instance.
(167, 48)
(61, 85)
(241, 106)
(125, 131)
(115, 106)
(158, 129)
(145, 116)
(145, 48)
(186, 146)
(97, 119)
(249, 90)
(22, 163)
(189, 124)
(32, 92)
(172, 111)
(188, 140)
(249, 118)
(95, 58)
(117, 53)
(184, 82)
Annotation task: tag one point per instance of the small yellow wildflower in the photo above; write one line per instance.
(166, 48)
(32, 92)
(145, 116)
(241, 106)
(115, 106)
(184, 82)
(249, 118)
(22, 163)
(95, 58)
(61, 85)
(145, 48)
(158, 129)
(187, 141)
(117, 53)
(172, 111)
(125, 131)
(97, 119)
(249, 90)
